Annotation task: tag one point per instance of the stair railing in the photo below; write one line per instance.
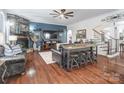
(112, 43)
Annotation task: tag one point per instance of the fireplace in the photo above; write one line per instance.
(24, 42)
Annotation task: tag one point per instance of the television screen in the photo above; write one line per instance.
(54, 36)
(50, 35)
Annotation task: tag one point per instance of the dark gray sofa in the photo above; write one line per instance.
(2, 72)
(15, 64)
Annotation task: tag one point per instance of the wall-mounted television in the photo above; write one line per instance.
(51, 34)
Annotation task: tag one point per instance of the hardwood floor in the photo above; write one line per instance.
(38, 72)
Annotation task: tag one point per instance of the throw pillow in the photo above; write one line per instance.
(8, 51)
(16, 49)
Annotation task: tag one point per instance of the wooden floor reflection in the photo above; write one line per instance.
(102, 72)
(112, 68)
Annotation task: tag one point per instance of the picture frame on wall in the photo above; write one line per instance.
(81, 34)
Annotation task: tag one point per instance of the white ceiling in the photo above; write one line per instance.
(42, 15)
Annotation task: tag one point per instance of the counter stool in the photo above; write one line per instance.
(74, 60)
(82, 58)
(94, 57)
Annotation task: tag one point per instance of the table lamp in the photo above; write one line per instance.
(12, 39)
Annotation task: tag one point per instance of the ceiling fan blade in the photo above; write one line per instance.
(53, 14)
(56, 11)
(69, 13)
(62, 13)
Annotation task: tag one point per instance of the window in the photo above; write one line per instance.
(69, 36)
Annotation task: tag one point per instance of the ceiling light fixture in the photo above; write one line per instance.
(62, 14)
(114, 18)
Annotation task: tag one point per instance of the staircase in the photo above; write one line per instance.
(107, 45)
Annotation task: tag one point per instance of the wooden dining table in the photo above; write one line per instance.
(67, 49)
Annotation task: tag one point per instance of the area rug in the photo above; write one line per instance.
(47, 57)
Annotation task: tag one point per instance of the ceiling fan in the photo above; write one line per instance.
(62, 14)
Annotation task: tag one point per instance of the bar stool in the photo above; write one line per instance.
(74, 60)
(82, 58)
(94, 57)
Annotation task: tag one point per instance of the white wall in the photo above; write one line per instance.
(1, 25)
(89, 25)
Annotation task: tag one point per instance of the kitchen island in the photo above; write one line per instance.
(68, 49)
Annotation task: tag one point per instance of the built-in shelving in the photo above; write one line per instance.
(19, 26)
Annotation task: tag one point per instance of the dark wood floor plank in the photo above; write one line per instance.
(38, 72)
